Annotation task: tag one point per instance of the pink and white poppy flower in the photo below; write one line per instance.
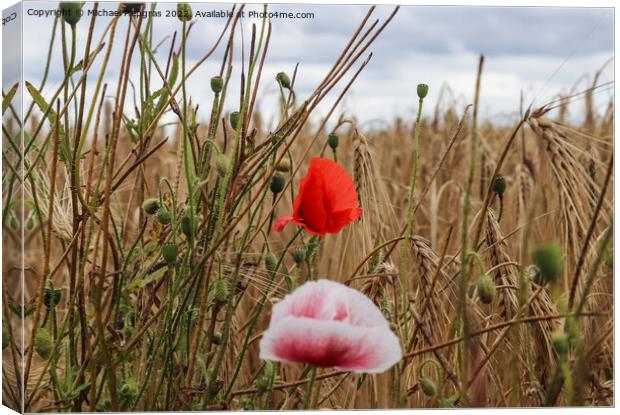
(327, 324)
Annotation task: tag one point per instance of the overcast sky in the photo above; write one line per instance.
(543, 51)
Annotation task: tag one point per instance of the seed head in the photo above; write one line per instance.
(548, 260)
(271, 262)
(51, 297)
(299, 256)
(71, 12)
(217, 84)
(150, 206)
(428, 387)
(43, 343)
(283, 80)
(277, 183)
(170, 252)
(422, 91)
(184, 12)
(499, 186)
(332, 140)
(163, 215)
(234, 119)
(220, 291)
(486, 289)
(284, 166)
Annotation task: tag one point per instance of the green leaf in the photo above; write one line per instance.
(8, 98)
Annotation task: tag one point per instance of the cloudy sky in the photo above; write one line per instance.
(540, 50)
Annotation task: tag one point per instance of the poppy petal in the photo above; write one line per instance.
(281, 223)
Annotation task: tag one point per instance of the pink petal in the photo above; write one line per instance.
(327, 324)
(331, 344)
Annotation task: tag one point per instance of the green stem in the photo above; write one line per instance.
(404, 269)
(308, 396)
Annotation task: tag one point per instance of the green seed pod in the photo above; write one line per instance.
(163, 215)
(129, 390)
(270, 369)
(333, 140)
(422, 91)
(559, 339)
(51, 297)
(43, 343)
(70, 11)
(499, 186)
(150, 206)
(486, 289)
(234, 119)
(189, 225)
(428, 387)
(261, 384)
(220, 291)
(283, 80)
(221, 164)
(5, 335)
(277, 183)
(170, 252)
(299, 256)
(217, 84)
(548, 259)
(270, 262)
(184, 12)
(284, 166)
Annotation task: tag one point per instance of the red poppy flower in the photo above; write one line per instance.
(326, 202)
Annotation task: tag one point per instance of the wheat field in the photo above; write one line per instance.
(151, 266)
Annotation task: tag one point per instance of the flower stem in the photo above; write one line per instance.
(308, 396)
(404, 269)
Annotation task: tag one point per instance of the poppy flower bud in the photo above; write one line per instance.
(559, 339)
(129, 390)
(499, 186)
(43, 343)
(220, 291)
(284, 165)
(548, 260)
(189, 224)
(150, 206)
(51, 297)
(261, 384)
(221, 164)
(277, 184)
(271, 262)
(234, 119)
(217, 84)
(170, 251)
(71, 12)
(486, 289)
(163, 215)
(5, 335)
(299, 256)
(332, 140)
(428, 387)
(184, 12)
(283, 80)
(422, 91)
